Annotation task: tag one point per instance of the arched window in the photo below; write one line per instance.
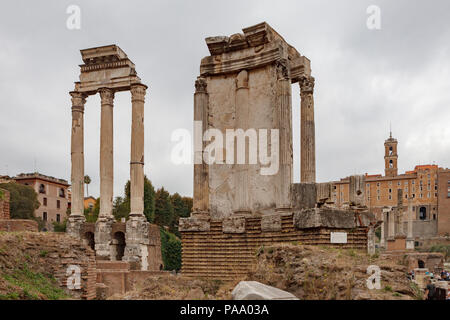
(41, 188)
(423, 213)
(62, 193)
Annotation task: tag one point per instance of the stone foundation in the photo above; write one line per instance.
(220, 254)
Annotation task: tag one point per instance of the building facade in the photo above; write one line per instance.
(427, 186)
(52, 196)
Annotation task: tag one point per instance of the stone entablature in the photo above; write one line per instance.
(257, 47)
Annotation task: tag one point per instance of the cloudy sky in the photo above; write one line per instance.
(365, 79)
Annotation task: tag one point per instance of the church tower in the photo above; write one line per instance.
(390, 156)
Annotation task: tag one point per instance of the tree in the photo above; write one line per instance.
(164, 214)
(170, 250)
(91, 215)
(121, 205)
(23, 200)
(182, 207)
(87, 181)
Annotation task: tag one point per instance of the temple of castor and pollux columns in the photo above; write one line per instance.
(245, 83)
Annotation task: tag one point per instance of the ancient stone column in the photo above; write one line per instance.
(382, 238)
(76, 218)
(137, 150)
(103, 226)
(391, 225)
(137, 226)
(307, 142)
(284, 103)
(410, 237)
(241, 184)
(201, 179)
(106, 153)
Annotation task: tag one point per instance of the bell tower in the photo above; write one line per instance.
(390, 156)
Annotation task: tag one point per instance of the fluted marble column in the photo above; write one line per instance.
(241, 183)
(201, 178)
(284, 105)
(137, 150)
(76, 218)
(106, 153)
(410, 237)
(77, 153)
(307, 129)
(382, 238)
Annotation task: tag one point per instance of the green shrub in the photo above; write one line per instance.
(170, 250)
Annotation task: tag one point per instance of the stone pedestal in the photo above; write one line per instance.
(103, 229)
(74, 225)
(137, 241)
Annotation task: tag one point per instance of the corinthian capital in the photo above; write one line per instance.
(107, 95)
(138, 92)
(78, 100)
(200, 85)
(307, 85)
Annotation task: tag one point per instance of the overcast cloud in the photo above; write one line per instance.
(364, 80)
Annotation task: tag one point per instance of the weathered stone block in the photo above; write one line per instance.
(357, 190)
(303, 195)
(233, 225)
(253, 290)
(193, 224)
(331, 218)
(271, 222)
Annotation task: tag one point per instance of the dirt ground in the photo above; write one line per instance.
(308, 272)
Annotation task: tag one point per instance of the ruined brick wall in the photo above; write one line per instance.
(216, 255)
(4, 204)
(51, 253)
(15, 225)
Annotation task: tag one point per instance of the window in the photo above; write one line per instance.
(390, 197)
(413, 182)
(422, 213)
(378, 197)
(435, 194)
(390, 190)
(58, 204)
(406, 189)
(378, 184)
(45, 202)
(62, 193)
(41, 188)
(406, 196)
(421, 196)
(434, 216)
(58, 217)
(413, 195)
(429, 195)
(44, 216)
(399, 183)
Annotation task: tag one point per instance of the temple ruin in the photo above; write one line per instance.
(246, 84)
(107, 70)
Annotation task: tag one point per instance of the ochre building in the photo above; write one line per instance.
(427, 185)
